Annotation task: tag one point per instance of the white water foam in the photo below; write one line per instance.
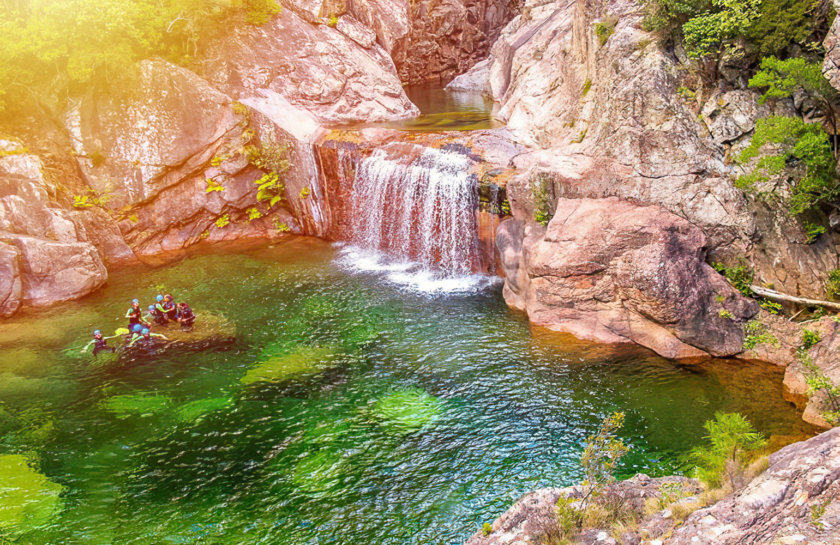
(410, 275)
(415, 221)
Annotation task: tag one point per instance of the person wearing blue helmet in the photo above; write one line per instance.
(146, 338)
(99, 343)
(135, 315)
(156, 315)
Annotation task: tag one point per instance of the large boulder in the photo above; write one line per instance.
(605, 111)
(612, 271)
(56, 271)
(11, 288)
(313, 67)
(793, 501)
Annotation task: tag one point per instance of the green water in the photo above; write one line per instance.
(349, 411)
(442, 110)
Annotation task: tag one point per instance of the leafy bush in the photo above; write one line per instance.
(601, 455)
(781, 23)
(668, 16)
(711, 32)
(605, 28)
(740, 276)
(790, 142)
(51, 48)
(755, 333)
(809, 338)
(733, 443)
(832, 284)
(486, 529)
(813, 231)
(817, 382)
(223, 221)
(270, 188)
(213, 185)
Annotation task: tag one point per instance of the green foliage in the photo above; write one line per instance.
(782, 78)
(710, 32)
(569, 516)
(770, 306)
(602, 454)
(270, 188)
(781, 23)
(506, 207)
(687, 93)
(605, 28)
(809, 338)
(486, 529)
(832, 284)
(281, 226)
(305, 192)
(755, 333)
(254, 214)
(732, 443)
(581, 135)
(223, 221)
(817, 382)
(52, 47)
(813, 231)
(213, 185)
(740, 276)
(27, 498)
(667, 16)
(82, 201)
(790, 141)
(725, 314)
(587, 85)
(332, 21)
(541, 188)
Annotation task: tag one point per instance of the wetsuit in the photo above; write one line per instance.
(135, 316)
(158, 316)
(186, 316)
(169, 310)
(101, 344)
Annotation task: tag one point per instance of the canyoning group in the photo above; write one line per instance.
(139, 333)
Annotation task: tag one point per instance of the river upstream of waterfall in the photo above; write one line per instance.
(353, 408)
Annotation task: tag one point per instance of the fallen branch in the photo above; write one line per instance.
(776, 296)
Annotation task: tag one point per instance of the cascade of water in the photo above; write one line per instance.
(418, 206)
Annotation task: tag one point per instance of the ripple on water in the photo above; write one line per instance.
(351, 410)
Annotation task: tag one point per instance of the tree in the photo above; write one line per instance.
(601, 455)
(782, 78)
(667, 16)
(782, 144)
(781, 23)
(709, 33)
(733, 441)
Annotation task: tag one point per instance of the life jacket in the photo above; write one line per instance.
(100, 343)
(134, 315)
(186, 312)
(170, 309)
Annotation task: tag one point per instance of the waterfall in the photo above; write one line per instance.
(418, 206)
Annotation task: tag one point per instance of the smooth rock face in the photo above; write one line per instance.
(533, 519)
(56, 271)
(612, 271)
(447, 37)
(606, 119)
(794, 501)
(831, 65)
(11, 288)
(476, 80)
(316, 68)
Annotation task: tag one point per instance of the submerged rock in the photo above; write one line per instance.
(612, 271)
(305, 361)
(407, 410)
(27, 498)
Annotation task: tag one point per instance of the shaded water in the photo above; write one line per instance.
(443, 110)
(348, 412)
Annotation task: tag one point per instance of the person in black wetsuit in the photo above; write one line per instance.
(135, 315)
(170, 310)
(157, 315)
(186, 317)
(145, 339)
(99, 343)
